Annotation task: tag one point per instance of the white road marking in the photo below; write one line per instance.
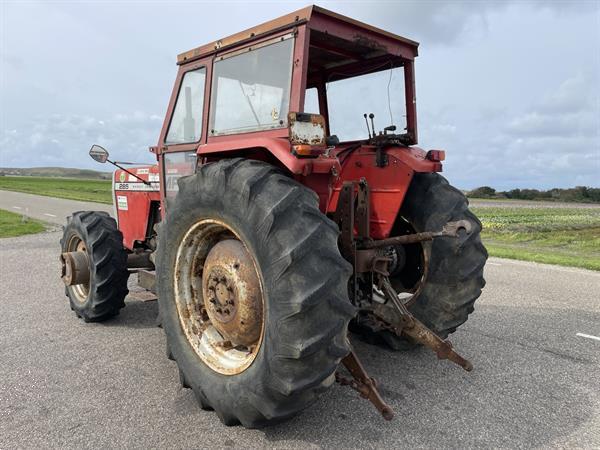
(589, 336)
(17, 207)
(49, 215)
(493, 264)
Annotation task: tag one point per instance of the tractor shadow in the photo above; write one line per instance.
(136, 314)
(141, 309)
(528, 389)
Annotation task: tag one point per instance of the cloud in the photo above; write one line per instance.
(445, 23)
(64, 140)
(567, 115)
(510, 89)
(553, 143)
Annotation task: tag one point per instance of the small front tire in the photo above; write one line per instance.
(96, 233)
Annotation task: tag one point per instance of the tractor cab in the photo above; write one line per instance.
(271, 80)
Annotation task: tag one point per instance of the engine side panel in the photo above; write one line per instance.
(132, 200)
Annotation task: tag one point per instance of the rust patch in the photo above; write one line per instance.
(231, 291)
(75, 268)
(199, 319)
(307, 129)
(364, 41)
(363, 384)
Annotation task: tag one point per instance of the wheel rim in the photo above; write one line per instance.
(219, 297)
(413, 274)
(80, 291)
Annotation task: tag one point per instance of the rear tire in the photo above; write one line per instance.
(304, 290)
(453, 278)
(97, 233)
(445, 275)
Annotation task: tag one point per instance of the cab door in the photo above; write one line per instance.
(184, 129)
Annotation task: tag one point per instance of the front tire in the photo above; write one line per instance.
(303, 283)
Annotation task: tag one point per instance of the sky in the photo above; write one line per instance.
(510, 89)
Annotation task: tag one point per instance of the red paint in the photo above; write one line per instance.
(388, 185)
(326, 173)
(133, 222)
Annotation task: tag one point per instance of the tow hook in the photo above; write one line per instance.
(394, 315)
(451, 229)
(403, 322)
(363, 384)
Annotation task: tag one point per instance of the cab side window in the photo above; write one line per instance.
(186, 123)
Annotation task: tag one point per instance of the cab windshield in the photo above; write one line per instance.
(251, 89)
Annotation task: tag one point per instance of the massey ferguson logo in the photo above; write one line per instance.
(122, 177)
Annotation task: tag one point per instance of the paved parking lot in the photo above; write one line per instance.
(64, 383)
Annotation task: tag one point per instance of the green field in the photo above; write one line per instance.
(73, 189)
(566, 236)
(12, 225)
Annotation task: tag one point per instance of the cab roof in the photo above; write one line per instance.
(335, 33)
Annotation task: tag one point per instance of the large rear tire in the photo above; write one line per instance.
(96, 233)
(452, 268)
(441, 279)
(248, 208)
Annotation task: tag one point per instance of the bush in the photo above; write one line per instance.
(482, 192)
(578, 194)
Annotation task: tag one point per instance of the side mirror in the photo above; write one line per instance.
(98, 154)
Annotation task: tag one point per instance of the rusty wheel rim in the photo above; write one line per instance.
(80, 291)
(219, 297)
(419, 257)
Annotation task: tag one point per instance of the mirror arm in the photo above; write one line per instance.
(147, 183)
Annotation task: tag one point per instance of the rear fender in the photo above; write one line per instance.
(315, 173)
(278, 151)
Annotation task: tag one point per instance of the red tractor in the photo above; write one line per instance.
(267, 231)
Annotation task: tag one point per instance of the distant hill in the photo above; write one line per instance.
(63, 172)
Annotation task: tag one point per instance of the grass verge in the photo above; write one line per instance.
(69, 188)
(545, 232)
(564, 236)
(12, 225)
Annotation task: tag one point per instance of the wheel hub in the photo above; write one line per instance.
(221, 295)
(75, 268)
(232, 294)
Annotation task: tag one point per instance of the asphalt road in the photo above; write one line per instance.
(49, 209)
(65, 383)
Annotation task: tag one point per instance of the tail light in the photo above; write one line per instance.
(436, 155)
